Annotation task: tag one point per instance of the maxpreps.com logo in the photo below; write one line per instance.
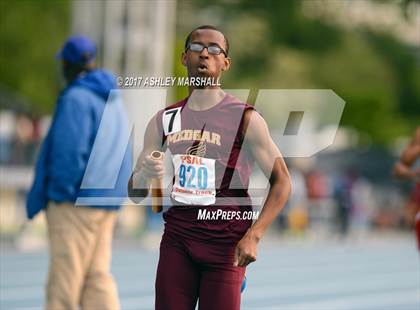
(302, 122)
(219, 214)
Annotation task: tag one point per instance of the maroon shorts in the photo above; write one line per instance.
(190, 270)
(417, 227)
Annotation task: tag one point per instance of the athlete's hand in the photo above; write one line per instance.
(152, 168)
(246, 250)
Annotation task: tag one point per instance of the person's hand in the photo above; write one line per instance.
(246, 250)
(152, 168)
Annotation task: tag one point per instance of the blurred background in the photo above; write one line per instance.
(366, 51)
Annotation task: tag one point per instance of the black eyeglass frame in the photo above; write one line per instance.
(207, 47)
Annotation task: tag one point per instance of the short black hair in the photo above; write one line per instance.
(187, 41)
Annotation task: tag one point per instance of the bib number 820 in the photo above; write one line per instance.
(192, 177)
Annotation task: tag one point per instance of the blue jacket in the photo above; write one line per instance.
(86, 152)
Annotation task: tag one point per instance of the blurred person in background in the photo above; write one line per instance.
(343, 195)
(80, 237)
(297, 216)
(408, 168)
(317, 191)
(24, 143)
(363, 203)
(7, 135)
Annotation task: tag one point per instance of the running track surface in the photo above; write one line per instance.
(381, 273)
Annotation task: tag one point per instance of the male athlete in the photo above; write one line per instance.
(213, 140)
(405, 169)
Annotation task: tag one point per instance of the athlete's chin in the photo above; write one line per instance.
(206, 75)
(202, 73)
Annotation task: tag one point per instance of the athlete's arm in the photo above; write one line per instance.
(402, 168)
(272, 164)
(146, 167)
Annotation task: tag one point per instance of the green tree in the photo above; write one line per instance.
(31, 33)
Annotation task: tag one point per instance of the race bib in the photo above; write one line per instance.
(194, 180)
(171, 121)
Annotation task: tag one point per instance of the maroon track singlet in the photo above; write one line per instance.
(214, 139)
(417, 218)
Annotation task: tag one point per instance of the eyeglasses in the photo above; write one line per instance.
(212, 49)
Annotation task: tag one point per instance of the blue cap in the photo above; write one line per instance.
(78, 49)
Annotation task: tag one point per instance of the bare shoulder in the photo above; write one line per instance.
(255, 126)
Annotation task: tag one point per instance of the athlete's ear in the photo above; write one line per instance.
(184, 59)
(226, 64)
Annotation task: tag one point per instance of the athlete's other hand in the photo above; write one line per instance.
(246, 250)
(152, 168)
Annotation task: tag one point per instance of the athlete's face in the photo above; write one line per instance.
(204, 64)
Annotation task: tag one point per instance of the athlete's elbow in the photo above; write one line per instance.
(281, 182)
(285, 186)
(136, 195)
(281, 187)
(288, 186)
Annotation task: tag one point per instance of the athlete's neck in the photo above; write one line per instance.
(204, 99)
